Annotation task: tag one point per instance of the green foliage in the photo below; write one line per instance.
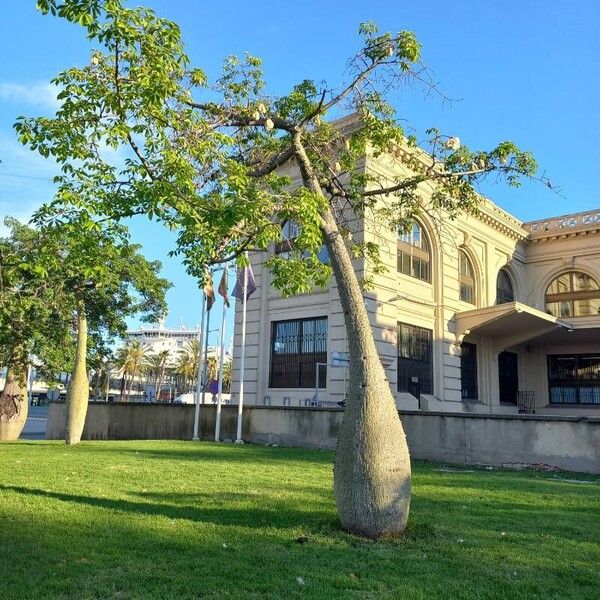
(32, 311)
(45, 271)
(206, 157)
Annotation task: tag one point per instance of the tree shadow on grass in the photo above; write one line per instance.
(277, 514)
(197, 451)
(112, 556)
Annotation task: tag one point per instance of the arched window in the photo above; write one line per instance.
(504, 288)
(414, 253)
(290, 230)
(573, 294)
(466, 278)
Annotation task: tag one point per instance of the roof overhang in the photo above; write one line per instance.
(509, 324)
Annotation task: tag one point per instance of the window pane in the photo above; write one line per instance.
(467, 293)
(504, 288)
(296, 347)
(466, 278)
(574, 379)
(415, 359)
(414, 255)
(468, 371)
(583, 282)
(573, 294)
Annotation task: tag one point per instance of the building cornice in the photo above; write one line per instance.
(487, 211)
(499, 219)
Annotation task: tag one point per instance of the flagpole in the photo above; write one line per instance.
(199, 374)
(205, 371)
(242, 357)
(221, 360)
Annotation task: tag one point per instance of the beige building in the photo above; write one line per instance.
(483, 313)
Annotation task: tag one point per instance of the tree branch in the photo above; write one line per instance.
(238, 119)
(277, 161)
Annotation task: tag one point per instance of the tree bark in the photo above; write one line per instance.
(372, 474)
(78, 394)
(13, 399)
(122, 391)
(131, 381)
(160, 383)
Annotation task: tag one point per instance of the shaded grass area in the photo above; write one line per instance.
(198, 520)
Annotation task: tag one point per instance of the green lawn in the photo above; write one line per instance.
(199, 520)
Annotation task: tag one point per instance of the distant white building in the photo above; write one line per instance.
(159, 338)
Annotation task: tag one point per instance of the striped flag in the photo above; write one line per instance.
(223, 285)
(209, 291)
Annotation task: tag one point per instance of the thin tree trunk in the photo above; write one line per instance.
(372, 475)
(160, 383)
(134, 371)
(97, 383)
(79, 391)
(13, 399)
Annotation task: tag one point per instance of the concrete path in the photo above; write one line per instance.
(35, 426)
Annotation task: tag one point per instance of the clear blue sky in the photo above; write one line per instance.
(524, 70)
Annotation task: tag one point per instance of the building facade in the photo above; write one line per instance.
(483, 313)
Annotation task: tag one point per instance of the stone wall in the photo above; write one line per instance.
(571, 443)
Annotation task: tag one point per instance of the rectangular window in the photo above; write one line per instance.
(297, 346)
(415, 360)
(468, 371)
(574, 378)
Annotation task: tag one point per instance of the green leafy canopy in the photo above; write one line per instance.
(214, 160)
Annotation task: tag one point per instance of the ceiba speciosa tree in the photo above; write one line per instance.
(206, 158)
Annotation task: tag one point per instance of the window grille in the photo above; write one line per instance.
(297, 346)
(574, 378)
(468, 371)
(415, 359)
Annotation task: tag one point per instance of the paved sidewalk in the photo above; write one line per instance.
(35, 427)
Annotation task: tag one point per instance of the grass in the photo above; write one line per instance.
(197, 520)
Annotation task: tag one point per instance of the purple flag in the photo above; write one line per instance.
(238, 290)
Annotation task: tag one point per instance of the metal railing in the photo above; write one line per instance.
(526, 402)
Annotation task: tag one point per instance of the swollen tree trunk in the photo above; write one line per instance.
(372, 475)
(79, 391)
(13, 399)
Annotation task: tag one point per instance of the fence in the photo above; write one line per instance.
(571, 443)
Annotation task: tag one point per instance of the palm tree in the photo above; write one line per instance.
(227, 370)
(162, 359)
(212, 369)
(185, 369)
(187, 364)
(130, 360)
(153, 367)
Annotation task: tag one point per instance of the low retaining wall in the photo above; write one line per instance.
(571, 443)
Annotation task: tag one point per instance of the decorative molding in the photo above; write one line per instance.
(564, 226)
